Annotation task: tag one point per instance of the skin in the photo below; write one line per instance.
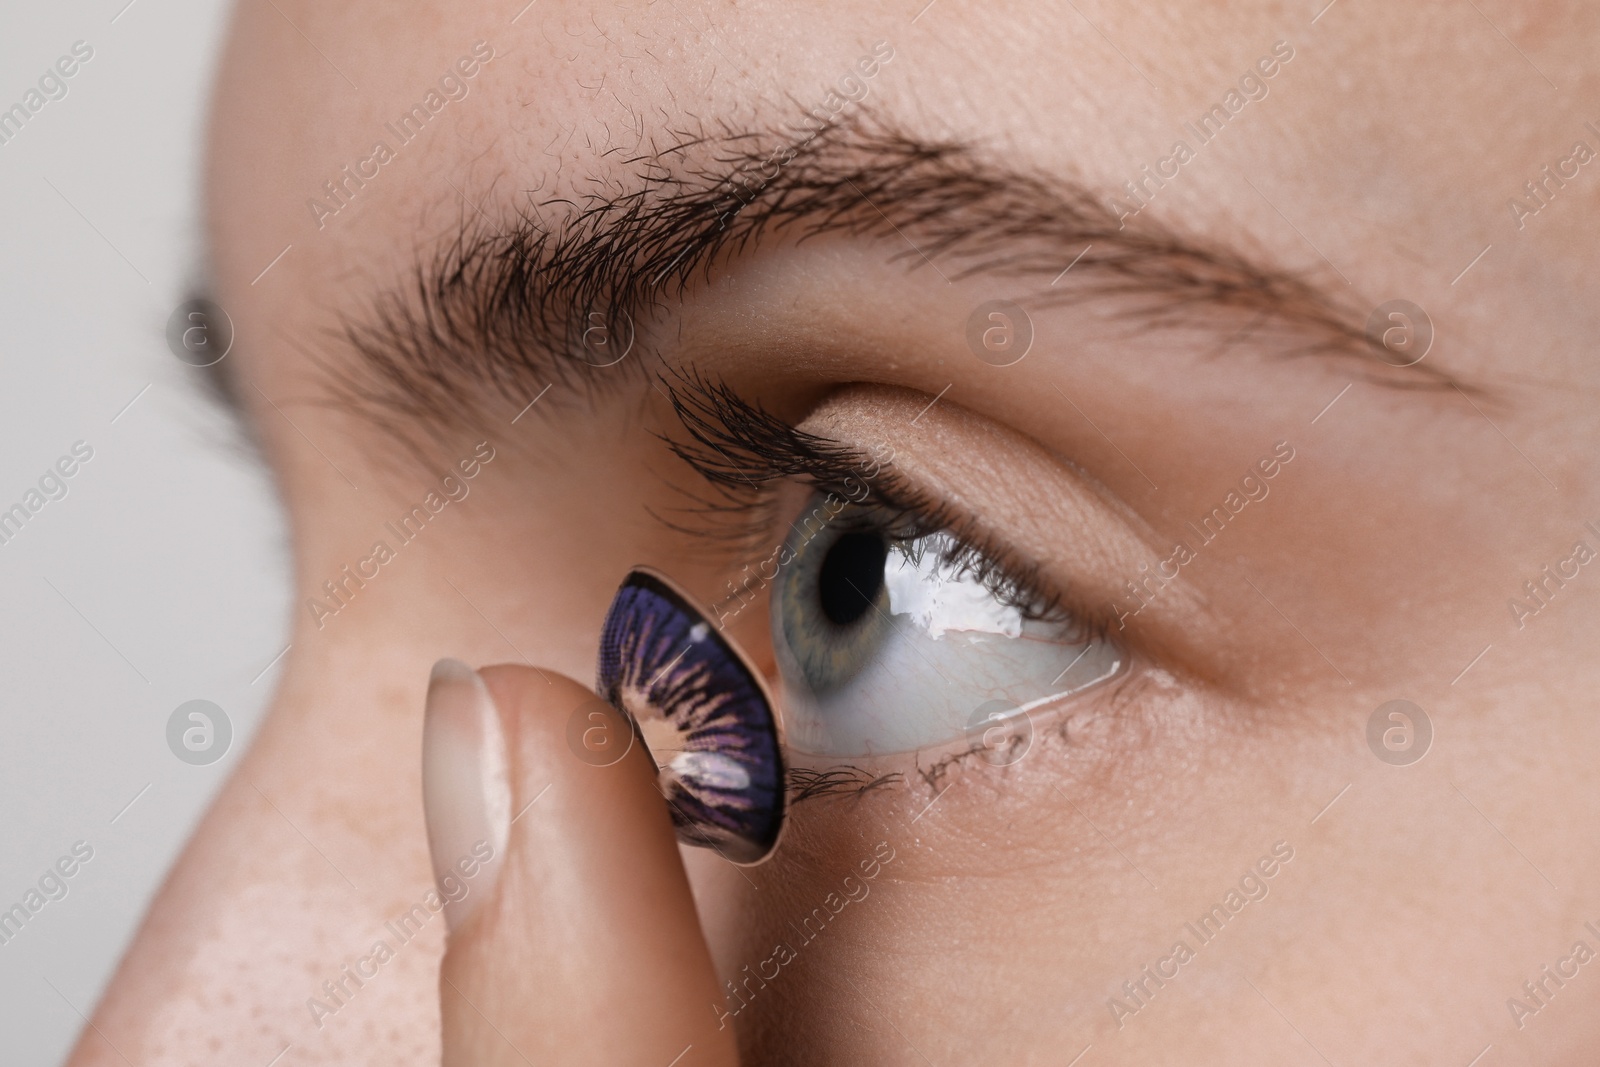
(1418, 898)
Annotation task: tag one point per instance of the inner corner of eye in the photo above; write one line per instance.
(888, 639)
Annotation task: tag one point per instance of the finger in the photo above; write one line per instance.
(574, 939)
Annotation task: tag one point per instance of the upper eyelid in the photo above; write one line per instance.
(717, 419)
(698, 402)
(1025, 498)
(741, 453)
(723, 427)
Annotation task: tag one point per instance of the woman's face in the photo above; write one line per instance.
(1109, 295)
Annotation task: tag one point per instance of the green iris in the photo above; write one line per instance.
(831, 604)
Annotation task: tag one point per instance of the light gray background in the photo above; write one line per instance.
(167, 557)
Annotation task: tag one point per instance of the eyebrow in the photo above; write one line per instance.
(502, 311)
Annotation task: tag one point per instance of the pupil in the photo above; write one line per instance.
(852, 574)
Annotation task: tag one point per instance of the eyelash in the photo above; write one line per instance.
(743, 453)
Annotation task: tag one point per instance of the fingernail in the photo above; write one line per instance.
(466, 788)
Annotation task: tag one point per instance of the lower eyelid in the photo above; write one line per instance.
(1055, 733)
(809, 783)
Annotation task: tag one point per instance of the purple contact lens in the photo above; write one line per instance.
(705, 714)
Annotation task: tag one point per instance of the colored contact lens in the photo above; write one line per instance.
(704, 713)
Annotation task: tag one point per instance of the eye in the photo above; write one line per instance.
(890, 640)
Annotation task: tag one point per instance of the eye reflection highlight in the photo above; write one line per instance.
(888, 643)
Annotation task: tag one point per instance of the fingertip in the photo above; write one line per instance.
(592, 907)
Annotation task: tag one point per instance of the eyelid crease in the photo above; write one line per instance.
(725, 429)
(1031, 507)
(976, 466)
(722, 426)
